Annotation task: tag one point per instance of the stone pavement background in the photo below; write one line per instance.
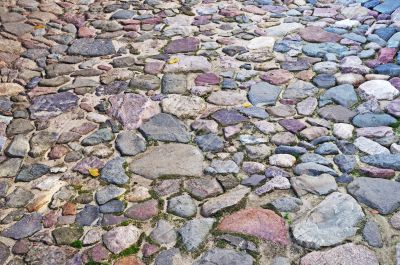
(200, 132)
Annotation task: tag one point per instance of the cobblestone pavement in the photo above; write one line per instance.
(200, 132)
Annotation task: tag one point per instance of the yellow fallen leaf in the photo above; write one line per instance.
(94, 172)
(173, 60)
(39, 27)
(247, 105)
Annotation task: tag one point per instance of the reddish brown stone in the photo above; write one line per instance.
(129, 260)
(277, 77)
(149, 249)
(261, 223)
(143, 211)
(98, 253)
(317, 34)
(375, 172)
(207, 79)
(58, 151)
(84, 128)
(21, 247)
(50, 219)
(154, 68)
(85, 32)
(182, 45)
(69, 209)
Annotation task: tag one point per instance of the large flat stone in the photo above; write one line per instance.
(92, 47)
(168, 160)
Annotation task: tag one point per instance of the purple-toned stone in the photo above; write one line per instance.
(27, 226)
(375, 172)
(393, 108)
(292, 125)
(89, 162)
(395, 81)
(182, 45)
(143, 211)
(386, 55)
(207, 79)
(53, 105)
(228, 117)
(112, 89)
(273, 172)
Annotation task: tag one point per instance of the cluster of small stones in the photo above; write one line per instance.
(204, 132)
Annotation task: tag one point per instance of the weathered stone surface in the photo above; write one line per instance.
(92, 47)
(168, 160)
(132, 109)
(120, 238)
(261, 223)
(378, 194)
(329, 223)
(53, 105)
(343, 254)
(224, 257)
(27, 226)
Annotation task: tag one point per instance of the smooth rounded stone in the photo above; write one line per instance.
(313, 169)
(321, 49)
(343, 130)
(263, 42)
(253, 180)
(282, 160)
(182, 206)
(32, 172)
(282, 111)
(143, 211)
(203, 188)
(344, 254)
(346, 163)
(324, 80)
(87, 216)
(391, 161)
(92, 47)
(393, 108)
(331, 222)
(183, 45)
(184, 106)
(108, 193)
(92, 236)
(319, 185)
(326, 68)
(27, 226)
(145, 82)
(336, 113)
(264, 94)
(370, 147)
(19, 126)
(177, 159)
(343, 95)
(210, 142)
(307, 106)
(217, 204)
(132, 109)
(261, 223)
(283, 29)
(187, 64)
(378, 194)
(293, 150)
(287, 204)
(130, 144)
(163, 233)
(379, 89)
(170, 256)
(194, 232)
(373, 120)
(120, 238)
(312, 133)
(299, 90)
(317, 34)
(224, 257)
(166, 128)
(19, 146)
(328, 148)
(66, 235)
(174, 84)
(388, 69)
(227, 98)
(113, 172)
(98, 137)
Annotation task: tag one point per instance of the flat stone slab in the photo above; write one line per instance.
(168, 160)
(92, 47)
